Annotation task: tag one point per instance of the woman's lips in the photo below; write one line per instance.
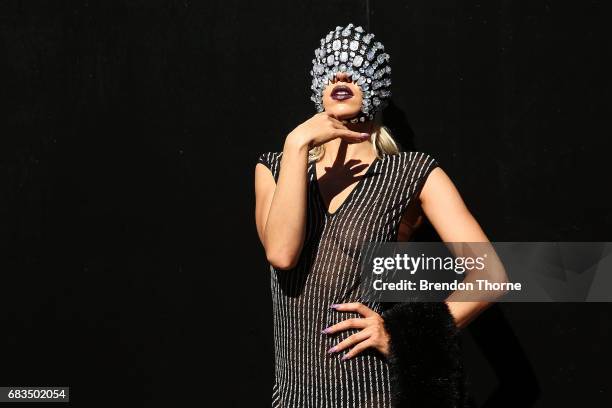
(341, 93)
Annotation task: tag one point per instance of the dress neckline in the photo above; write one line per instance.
(350, 195)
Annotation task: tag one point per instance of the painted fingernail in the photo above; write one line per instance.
(331, 350)
(325, 330)
(334, 306)
(345, 357)
(364, 135)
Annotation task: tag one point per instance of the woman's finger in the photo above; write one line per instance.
(351, 135)
(351, 340)
(334, 119)
(355, 307)
(357, 349)
(356, 323)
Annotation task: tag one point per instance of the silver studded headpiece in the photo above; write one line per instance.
(352, 50)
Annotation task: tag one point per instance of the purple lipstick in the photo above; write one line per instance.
(341, 93)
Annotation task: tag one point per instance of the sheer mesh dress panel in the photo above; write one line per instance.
(327, 273)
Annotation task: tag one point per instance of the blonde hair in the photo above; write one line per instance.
(381, 139)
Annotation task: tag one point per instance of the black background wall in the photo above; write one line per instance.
(131, 269)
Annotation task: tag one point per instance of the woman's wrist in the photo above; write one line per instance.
(297, 141)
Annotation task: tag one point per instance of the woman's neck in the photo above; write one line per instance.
(365, 127)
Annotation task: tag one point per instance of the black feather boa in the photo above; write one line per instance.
(425, 356)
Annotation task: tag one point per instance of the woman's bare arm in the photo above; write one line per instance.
(280, 208)
(447, 212)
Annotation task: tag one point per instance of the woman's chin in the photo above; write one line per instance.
(343, 114)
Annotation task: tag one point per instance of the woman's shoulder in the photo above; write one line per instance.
(269, 159)
(272, 161)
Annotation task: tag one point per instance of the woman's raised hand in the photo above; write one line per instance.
(323, 127)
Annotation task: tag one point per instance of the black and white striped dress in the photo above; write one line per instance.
(327, 273)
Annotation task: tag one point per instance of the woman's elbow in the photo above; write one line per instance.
(281, 260)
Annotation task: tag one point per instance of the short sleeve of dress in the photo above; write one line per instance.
(264, 159)
(421, 166)
(271, 161)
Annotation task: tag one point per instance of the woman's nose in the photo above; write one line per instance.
(343, 76)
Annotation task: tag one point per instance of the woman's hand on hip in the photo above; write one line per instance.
(372, 333)
(321, 128)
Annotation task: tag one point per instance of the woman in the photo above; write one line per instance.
(339, 181)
